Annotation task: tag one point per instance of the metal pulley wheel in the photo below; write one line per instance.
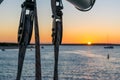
(25, 30)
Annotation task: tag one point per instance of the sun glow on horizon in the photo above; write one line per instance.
(88, 28)
(89, 43)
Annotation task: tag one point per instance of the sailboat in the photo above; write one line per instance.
(109, 46)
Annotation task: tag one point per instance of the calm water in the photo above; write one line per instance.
(75, 63)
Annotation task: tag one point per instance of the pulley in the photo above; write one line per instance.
(25, 30)
(28, 15)
(26, 23)
(57, 29)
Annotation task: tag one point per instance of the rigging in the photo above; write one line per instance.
(29, 17)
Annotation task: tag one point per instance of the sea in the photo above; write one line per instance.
(75, 63)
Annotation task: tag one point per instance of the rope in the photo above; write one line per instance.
(21, 56)
(56, 32)
(37, 46)
(56, 53)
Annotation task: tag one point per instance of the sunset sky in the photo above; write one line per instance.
(99, 25)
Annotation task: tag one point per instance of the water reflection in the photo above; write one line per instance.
(75, 63)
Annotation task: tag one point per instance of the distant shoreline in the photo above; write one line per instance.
(15, 45)
(67, 44)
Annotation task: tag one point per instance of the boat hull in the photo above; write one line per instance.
(109, 47)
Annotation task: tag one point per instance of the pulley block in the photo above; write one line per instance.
(25, 30)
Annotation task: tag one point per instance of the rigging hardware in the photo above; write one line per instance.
(28, 15)
(57, 29)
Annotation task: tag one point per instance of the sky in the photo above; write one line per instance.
(99, 25)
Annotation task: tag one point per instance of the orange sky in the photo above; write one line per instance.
(99, 25)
